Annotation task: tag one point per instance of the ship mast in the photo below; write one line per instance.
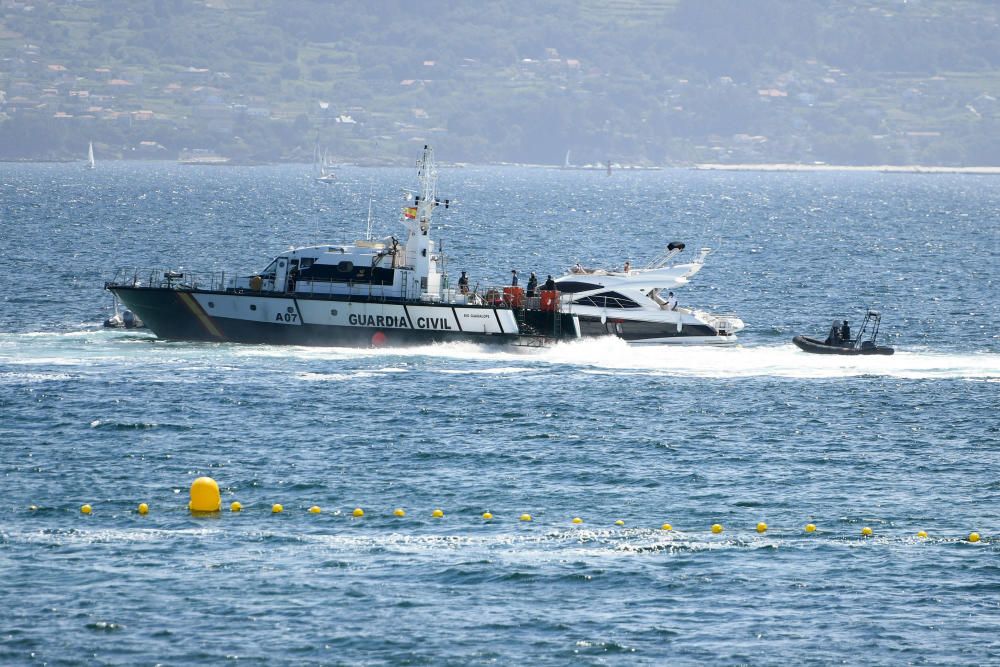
(428, 181)
(420, 250)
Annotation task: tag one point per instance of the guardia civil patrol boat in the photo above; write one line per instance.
(371, 292)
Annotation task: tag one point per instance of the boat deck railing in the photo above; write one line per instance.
(180, 279)
(221, 281)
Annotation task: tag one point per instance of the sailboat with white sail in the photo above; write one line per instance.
(90, 156)
(325, 172)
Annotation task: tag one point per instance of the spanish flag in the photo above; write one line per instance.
(410, 212)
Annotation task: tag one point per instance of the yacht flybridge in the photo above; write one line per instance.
(376, 292)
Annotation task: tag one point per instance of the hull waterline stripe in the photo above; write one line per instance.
(199, 314)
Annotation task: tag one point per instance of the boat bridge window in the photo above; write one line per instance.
(608, 300)
(574, 286)
(347, 272)
(306, 262)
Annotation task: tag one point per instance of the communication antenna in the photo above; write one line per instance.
(368, 228)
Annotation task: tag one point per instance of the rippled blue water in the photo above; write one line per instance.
(594, 429)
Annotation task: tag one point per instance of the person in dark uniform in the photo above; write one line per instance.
(463, 283)
(550, 284)
(532, 284)
(834, 337)
(845, 332)
(513, 277)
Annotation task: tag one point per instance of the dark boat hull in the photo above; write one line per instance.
(813, 346)
(195, 315)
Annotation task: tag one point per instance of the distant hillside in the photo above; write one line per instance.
(655, 82)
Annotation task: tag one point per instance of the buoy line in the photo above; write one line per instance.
(205, 499)
(762, 529)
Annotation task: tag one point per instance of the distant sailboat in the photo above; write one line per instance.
(325, 172)
(90, 156)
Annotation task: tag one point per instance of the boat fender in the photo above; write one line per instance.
(255, 283)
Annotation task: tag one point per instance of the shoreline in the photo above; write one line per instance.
(882, 169)
(702, 166)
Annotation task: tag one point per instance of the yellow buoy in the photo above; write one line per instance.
(666, 526)
(315, 509)
(277, 508)
(525, 517)
(205, 495)
(810, 528)
(761, 527)
(717, 528)
(399, 511)
(487, 515)
(86, 509)
(921, 533)
(619, 522)
(437, 514)
(236, 506)
(143, 508)
(577, 519)
(973, 537)
(866, 532)
(358, 512)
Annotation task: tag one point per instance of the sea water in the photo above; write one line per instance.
(595, 429)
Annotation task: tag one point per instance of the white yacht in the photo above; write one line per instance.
(638, 306)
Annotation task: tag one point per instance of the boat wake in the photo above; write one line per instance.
(33, 355)
(784, 361)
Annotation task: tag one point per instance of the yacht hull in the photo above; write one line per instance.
(649, 332)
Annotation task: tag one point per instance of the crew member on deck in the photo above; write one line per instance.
(671, 302)
(513, 277)
(532, 284)
(463, 283)
(845, 332)
(627, 268)
(550, 285)
(834, 337)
